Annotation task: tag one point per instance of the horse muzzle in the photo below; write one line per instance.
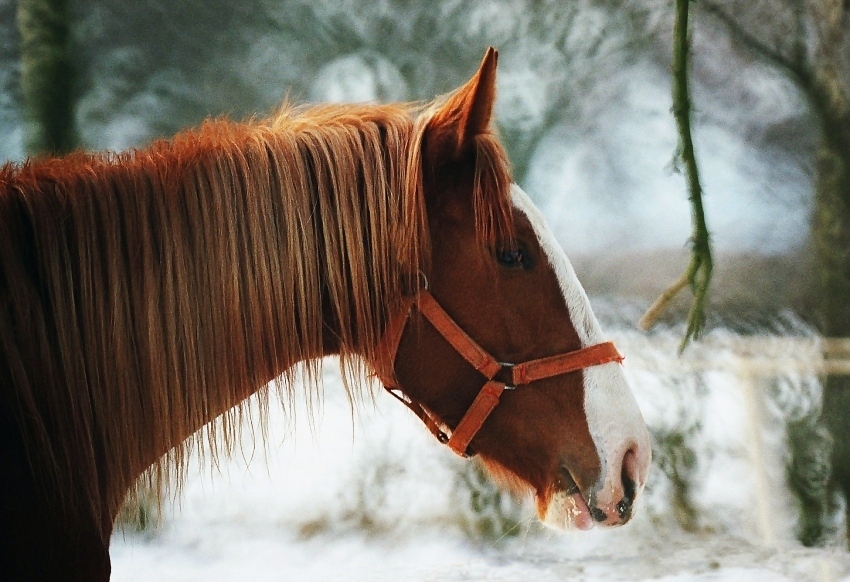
(610, 503)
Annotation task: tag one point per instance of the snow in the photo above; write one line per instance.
(274, 557)
(373, 497)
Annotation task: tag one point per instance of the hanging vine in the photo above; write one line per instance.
(698, 274)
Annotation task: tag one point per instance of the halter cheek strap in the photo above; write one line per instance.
(489, 395)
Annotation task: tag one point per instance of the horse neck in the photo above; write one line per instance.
(279, 253)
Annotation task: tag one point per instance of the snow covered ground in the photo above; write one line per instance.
(238, 552)
(373, 497)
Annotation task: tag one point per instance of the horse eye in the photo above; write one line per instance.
(512, 258)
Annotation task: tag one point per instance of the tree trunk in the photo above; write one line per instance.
(47, 76)
(831, 236)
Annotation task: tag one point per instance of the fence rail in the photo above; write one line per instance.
(759, 356)
(753, 360)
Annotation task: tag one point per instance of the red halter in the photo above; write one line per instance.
(488, 397)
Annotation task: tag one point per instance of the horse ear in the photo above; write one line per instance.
(465, 114)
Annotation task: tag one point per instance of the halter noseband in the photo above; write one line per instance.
(487, 365)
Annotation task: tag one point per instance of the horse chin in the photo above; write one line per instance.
(505, 478)
(556, 509)
(564, 511)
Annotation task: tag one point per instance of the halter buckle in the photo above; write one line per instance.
(508, 366)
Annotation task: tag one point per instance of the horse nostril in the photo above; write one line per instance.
(629, 472)
(624, 507)
(629, 485)
(598, 514)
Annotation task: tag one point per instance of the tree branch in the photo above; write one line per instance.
(698, 273)
(657, 308)
(795, 67)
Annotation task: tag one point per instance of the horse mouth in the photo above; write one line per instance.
(566, 508)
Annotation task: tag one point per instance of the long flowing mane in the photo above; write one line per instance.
(143, 294)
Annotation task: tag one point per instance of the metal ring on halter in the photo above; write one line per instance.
(424, 280)
(509, 366)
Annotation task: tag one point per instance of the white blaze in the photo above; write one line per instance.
(613, 416)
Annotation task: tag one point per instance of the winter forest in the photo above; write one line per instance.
(750, 423)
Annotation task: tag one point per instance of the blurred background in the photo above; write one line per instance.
(743, 447)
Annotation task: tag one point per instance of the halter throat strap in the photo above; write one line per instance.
(510, 375)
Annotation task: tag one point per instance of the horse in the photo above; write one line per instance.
(146, 295)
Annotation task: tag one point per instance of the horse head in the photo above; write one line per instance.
(505, 321)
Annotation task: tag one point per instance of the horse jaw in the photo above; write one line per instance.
(613, 416)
